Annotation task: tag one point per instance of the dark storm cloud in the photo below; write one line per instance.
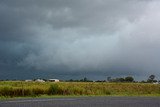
(79, 37)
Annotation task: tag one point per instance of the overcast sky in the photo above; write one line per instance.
(79, 38)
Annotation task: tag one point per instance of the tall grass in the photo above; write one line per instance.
(18, 88)
(53, 89)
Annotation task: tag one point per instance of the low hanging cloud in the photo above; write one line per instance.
(93, 38)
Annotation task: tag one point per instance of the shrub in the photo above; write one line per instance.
(37, 92)
(21, 92)
(53, 89)
(7, 91)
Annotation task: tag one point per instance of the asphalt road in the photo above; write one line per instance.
(84, 102)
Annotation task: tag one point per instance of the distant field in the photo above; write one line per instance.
(34, 89)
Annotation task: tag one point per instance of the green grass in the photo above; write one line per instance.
(11, 89)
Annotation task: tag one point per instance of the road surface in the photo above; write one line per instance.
(84, 102)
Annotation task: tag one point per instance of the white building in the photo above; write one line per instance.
(28, 80)
(39, 80)
(53, 80)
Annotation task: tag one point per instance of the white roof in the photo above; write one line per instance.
(53, 79)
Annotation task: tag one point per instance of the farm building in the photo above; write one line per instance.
(39, 80)
(28, 80)
(53, 80)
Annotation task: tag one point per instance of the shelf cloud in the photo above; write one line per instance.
(79, 38)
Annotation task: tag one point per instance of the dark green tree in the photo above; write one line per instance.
(109, 79)
(151, 79)
(85, 79)
(129, 79)
(121, 79)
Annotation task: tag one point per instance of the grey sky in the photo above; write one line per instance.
(76, 38)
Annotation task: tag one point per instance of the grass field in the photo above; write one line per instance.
(34, 89)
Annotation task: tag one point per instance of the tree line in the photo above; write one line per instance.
(151, 79)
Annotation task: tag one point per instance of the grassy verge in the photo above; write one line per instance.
(19, 89)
